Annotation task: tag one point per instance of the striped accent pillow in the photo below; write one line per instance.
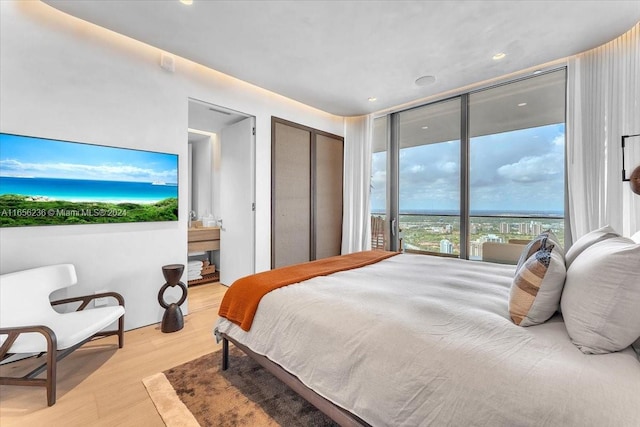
(537, 286)
(531, 248)
(534, 246)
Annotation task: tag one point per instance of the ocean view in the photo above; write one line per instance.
(80, 190)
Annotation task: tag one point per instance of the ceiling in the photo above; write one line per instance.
(335, 55)
(523, 104)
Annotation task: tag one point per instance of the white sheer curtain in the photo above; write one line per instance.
(356, 223)
(603, 103)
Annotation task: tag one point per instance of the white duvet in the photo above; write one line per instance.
(419, 340)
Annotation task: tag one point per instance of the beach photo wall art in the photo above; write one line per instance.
(52, 182)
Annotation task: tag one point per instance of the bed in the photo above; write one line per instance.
(416, 340)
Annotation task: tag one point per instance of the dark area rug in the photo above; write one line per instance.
(244, 395)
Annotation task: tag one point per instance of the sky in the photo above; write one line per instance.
(512, 171)
(22, 156)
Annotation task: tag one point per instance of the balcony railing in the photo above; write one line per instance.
(440, 233)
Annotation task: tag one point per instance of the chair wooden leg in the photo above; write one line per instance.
(121, 331)
(52, 363)
(52, 356)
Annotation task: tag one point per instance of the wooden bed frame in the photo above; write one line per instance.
(341, 416)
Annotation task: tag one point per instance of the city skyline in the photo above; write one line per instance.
(433, 233)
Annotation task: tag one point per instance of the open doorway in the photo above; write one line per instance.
(221, 234)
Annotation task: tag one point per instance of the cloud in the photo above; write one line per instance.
(448, 167)
(508, 171)
(115, 172)
(533, 169)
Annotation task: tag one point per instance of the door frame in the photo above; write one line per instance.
(220, 112)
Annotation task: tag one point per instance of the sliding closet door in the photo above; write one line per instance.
(306, 193)
(291, 195)
(328, 196)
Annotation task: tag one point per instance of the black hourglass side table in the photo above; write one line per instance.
(172, 320)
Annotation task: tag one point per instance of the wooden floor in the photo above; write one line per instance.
(101, 385)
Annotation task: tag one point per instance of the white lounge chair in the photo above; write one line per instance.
(29, 324)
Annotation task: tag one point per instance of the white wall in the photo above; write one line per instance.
(63, 78)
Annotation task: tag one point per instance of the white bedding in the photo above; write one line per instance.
(419, 340)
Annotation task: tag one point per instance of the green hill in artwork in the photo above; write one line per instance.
(17, 210)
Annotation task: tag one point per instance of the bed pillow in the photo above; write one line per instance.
(587, 240)
(531, 248)
(534, 245)
(601, 298)
(554, 239)
(537, 286)
(636, 347)
(636, 238)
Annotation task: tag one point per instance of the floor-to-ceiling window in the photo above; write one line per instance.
(429, 177)
(379, 188)
(487, 166)
(516, 179)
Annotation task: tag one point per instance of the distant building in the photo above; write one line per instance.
(491, 238)
(446, 247)
(523, 228)
(536, 228)
(505, 228)
(475, 250)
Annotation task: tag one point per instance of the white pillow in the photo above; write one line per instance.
(636, 238)
(587, 240)
(601, 298)
(537, 286)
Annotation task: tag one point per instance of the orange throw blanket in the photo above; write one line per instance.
(241, 300)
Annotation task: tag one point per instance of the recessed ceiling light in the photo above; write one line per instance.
(425, 80)
(522, 104)
(372, 99)
(425, 127)
(187, 2)
(499, 56)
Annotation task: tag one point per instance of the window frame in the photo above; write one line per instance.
(392, 136)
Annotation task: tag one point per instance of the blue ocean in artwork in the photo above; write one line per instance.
(81, 190)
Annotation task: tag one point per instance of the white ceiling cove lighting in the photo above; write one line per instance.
(297, 36)
(425, 80)
(372, 99)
